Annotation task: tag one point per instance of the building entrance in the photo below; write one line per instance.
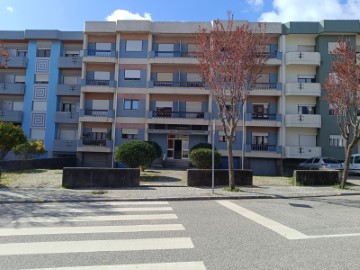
(178, 146)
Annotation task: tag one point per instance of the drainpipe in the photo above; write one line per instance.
(116, 97)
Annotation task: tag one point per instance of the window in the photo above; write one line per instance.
(72, 79)
(102, 77)
(70, 53)
(306, 79)
(260, 141)
(70, 107)
(260, 111)
(20, 79)
(132, 75)
(222, 137)
(336, 141)
(332, 46)
(41, 78)
(306, 109)
(165, 77)
(43, 53)
(131, 104)
(133, 46)
(103, 49)
(128, 133)
(166, 50)
(21, 53)
(306, 48)
(332, 109)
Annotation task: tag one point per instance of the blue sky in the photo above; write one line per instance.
(71, 14)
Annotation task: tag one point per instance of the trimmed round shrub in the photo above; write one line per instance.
(135, 154)
(202, 145)
(157, 148)
(201, 158)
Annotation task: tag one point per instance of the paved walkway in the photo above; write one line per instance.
(170, 186)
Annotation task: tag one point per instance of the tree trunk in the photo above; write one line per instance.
(231, 165)
(348, 152)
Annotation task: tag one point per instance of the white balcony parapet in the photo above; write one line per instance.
(303, 58)
(303, 89)
(302, 152)
(303, 120)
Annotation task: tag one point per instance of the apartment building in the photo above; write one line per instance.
(139, 80)
(40, 87)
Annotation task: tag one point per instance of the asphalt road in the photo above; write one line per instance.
(316, 233)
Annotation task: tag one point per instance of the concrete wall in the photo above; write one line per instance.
(43, 163)
(100, 177)
(197, 177)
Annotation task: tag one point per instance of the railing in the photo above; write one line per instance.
(97, 113)
(262, 116)
(177, 84)
(101, 53)
(174, 54)
(12, 88)
(98, 82)
(263, 147)
(95, 142)
(264, 86)
(187, 115)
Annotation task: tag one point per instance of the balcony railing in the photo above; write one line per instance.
(186, 115)
(12, 88)
(264, 86)
(92, 82)
(11, 116)
(177, 84)
(97, 113)
(264, 116)
(68, 89)
(100, 53)
(70, 62)
(66, 117)
(172, 54)
(264, 147)
(94, 142)
(65, 145)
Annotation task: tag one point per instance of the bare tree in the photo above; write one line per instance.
(231, 60)
(342, 94)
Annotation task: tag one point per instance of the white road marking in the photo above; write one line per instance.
(283, 230)
(92, 218)
(149, 266)
(84, 230)
(104, 204)
(277, 227)
(95, 246)
(103, 210)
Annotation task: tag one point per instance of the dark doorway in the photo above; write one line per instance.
(177, 149)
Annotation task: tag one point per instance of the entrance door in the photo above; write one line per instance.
(178, 149)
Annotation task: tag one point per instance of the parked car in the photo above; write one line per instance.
(321, 163)
(354, 167)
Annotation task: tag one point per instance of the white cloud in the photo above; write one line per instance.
(311, 10)
(256, 3)
(121, 14)
(10, 9)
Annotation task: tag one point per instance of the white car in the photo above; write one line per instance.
(321, 163)
(354, 167)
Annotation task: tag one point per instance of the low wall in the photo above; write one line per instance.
(40, 163)
(86, 177)
(198, 177)
(313, 178)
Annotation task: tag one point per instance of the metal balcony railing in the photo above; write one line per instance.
(98, 113)
(264, 86)
(263, 116)
(174, 54)
(101, 53)
(177, 84)
(95, 142)
(263, 147)
(186, 115)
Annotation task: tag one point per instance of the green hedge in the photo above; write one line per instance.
(316, 178)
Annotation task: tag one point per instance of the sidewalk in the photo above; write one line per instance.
(169, 185)
(168, 193)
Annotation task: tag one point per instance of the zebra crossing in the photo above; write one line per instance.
(57, 230)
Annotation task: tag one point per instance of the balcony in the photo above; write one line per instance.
(261, 120)
(190, 88)
(303, 58)
(100, 56)
(177, 131)
(64, 145)
(95, 145)
(263, 150)
(266, 89)
(68, 90)
(303, 89)
(178, 117)
(92, 115)
(172, 57)
(303, 120)
(12, 88)
(70, 62)
(17, 62)
(67, 117)
(103, 86)
(11, 116)
(302, 152)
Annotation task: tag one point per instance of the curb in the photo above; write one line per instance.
(195, 198)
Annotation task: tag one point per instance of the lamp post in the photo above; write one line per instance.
(213, 157)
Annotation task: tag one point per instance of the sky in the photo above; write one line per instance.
(70, 15)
